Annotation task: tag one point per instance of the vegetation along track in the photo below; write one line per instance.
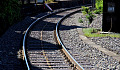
(40, 46)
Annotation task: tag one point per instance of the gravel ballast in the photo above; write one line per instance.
(85, 54)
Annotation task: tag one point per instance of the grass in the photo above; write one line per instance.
(91, 32)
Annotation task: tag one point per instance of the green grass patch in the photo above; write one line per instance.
(91, 32)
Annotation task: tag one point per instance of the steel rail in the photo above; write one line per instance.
(28, 29)
(76, 64)
(26, 32)
(24, 41)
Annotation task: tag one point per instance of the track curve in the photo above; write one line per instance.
(43, 51)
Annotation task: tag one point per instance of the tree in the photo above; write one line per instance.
(9, 13)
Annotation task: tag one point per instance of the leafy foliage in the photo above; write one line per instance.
(9, 13)
(85, 10)
(99, 6)
(80, 20)
(89, 15)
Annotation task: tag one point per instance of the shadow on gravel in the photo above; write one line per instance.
(10, 51)
(56, 16)
(51, 26)
(63, 27)
(35, 44)
(11, 46)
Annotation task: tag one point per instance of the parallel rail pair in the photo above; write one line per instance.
(70, 58)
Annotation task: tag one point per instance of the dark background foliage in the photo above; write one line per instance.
(9, 14)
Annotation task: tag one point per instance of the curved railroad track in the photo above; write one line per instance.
(83, 50)
(40, 44)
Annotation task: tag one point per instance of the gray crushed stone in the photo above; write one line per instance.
(11, 45)
(86, 55)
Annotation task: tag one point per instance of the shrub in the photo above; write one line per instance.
(80, 20)
(85, 10)
(89, 15)
(99, 6)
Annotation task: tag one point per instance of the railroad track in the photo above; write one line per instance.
(75, 53)
(41, 46)
(83, 52)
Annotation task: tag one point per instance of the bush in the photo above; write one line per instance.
(80, 20)
(9, 13)
(89, 15)
(85, 10)
(99, 6)
(97, 12)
